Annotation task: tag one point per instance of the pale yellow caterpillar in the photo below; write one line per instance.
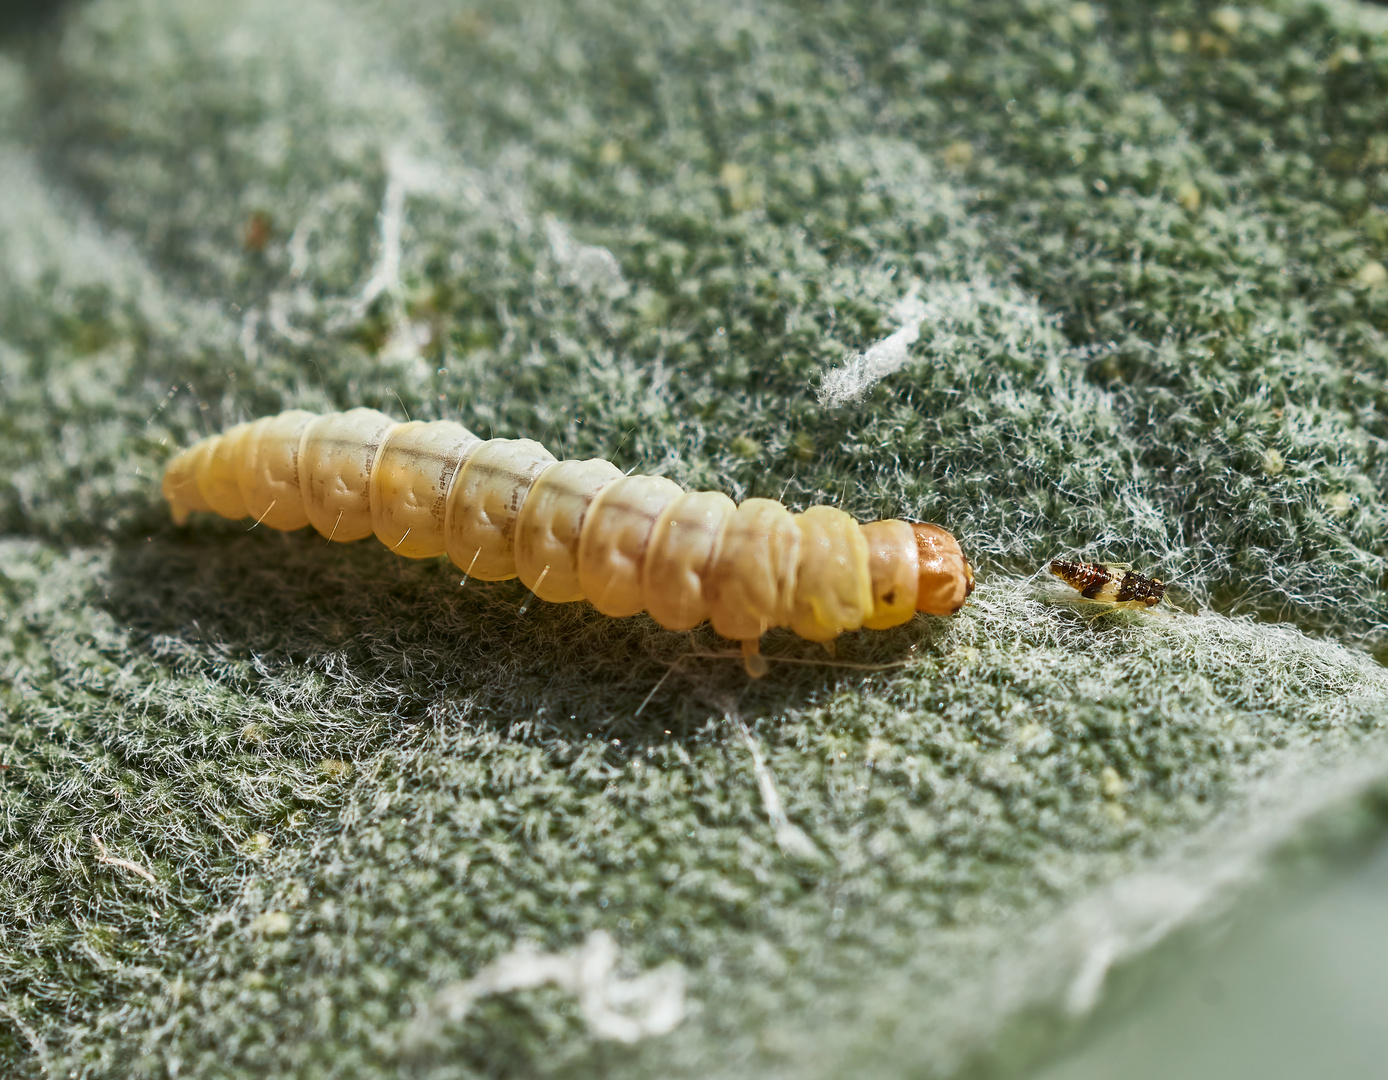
(573, 530)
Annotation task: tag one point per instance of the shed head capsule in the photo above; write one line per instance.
(1110, 583)
(945, 577)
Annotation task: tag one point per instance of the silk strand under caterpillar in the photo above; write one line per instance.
(573, 530)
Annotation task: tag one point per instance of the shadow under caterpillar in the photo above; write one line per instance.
(573, 530)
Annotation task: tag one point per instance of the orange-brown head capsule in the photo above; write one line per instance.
(946, 578)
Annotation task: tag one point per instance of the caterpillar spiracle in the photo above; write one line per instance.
(573, 530)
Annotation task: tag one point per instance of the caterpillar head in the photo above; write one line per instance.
(945, 577)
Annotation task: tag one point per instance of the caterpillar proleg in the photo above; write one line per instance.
(573, 530)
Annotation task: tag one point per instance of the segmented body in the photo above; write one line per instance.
(573, 530)
(1110, 583)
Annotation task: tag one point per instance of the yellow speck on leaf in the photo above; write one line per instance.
(1372, 274)
(333, 769)
(958, 155)
(1339, 504)
(1229, 20)
(271, 924)
(1212, 45)
(732, 174)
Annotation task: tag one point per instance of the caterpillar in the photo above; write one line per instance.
(573, 530)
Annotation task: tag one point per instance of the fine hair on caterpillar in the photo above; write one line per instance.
(573, 530)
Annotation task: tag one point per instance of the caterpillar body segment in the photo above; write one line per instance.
(268, 479)
(616, 533)
(413, 470)
(893, 572)
(550, 522)
(834, 554)
(484, 501)
(683, 544)
(336, 455)
(573, 530)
